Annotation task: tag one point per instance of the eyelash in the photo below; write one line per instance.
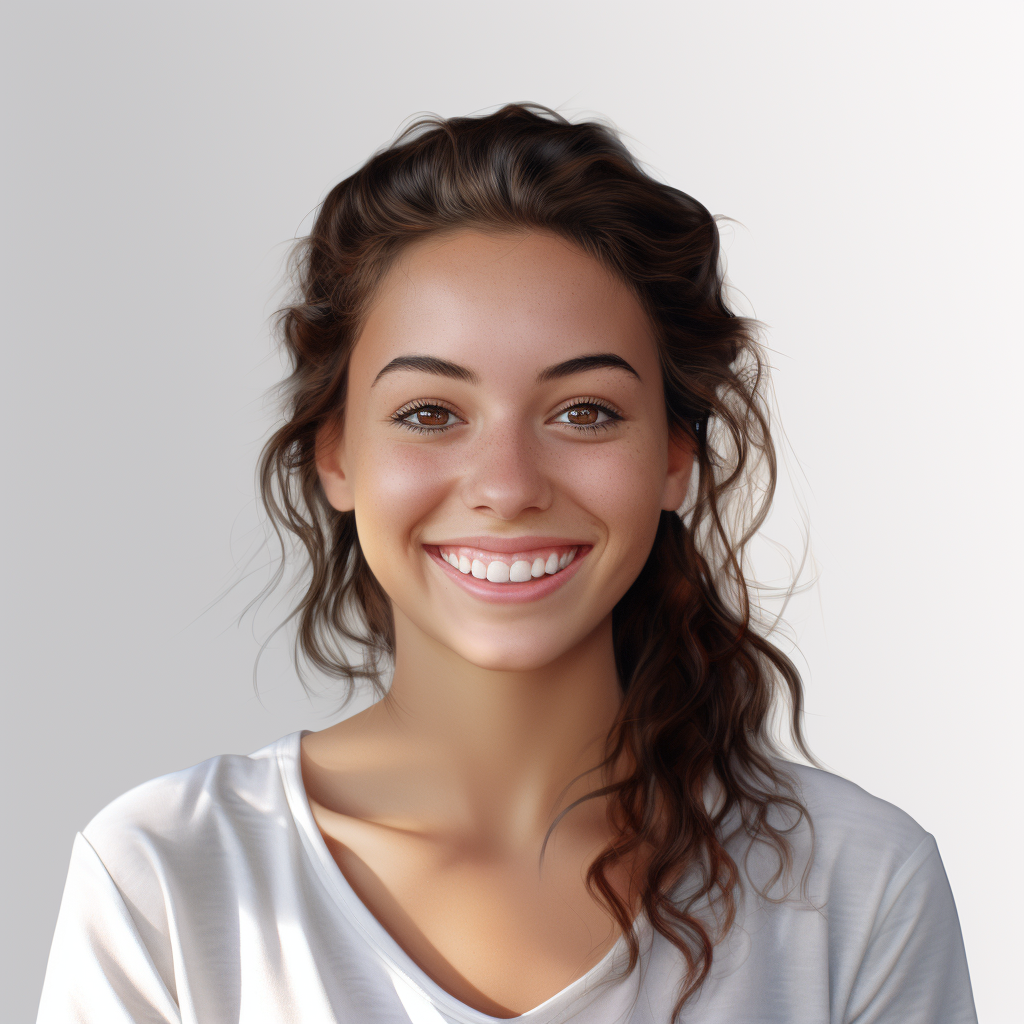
(408, 410)
(613, 413)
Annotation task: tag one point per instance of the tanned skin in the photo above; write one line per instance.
(436, 800)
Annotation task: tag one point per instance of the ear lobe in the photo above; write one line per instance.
(681, 456)
(330, 467)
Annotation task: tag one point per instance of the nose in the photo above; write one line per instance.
(506, 474)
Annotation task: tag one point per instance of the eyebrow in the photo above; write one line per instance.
(444, 368)
(581, 363)
(429, 364)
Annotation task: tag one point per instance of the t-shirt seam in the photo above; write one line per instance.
(898, 882)
(172, 994)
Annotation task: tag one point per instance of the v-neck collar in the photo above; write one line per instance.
(602, 977)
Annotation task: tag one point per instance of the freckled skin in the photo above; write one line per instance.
(493, 707)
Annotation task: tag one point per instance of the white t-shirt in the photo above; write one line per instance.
(208, 896)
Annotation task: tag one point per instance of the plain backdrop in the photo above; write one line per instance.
(159, 159)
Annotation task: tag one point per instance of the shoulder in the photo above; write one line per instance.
(894, 946)
(843, 812)
(203, 807)
(856, 842)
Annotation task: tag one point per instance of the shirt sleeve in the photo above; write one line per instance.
(914, 969)
(99, 970)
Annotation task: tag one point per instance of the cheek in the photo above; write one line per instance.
(396, 487)
(626, 489)
(619, 484)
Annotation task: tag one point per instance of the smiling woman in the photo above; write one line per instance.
(508, 344)
(476, 448)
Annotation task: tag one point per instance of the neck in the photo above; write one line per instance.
(490, 753)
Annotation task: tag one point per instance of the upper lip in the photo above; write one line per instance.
(508, 545)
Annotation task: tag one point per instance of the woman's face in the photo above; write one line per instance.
(505, 445)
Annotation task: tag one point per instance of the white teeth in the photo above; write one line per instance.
(498, 572)
(520, 571)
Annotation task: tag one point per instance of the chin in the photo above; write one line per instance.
(510, 656)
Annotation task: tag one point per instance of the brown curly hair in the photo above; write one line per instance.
(699, 678)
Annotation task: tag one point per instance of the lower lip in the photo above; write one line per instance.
(509, 593)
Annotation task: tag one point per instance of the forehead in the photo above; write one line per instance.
(502, 303)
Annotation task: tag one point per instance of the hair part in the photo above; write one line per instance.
(699, 680)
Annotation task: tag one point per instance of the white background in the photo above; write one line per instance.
(161, 156)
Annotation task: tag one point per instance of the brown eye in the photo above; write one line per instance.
(583, 415)
(427, 419)
(588, 416)
(431, 416)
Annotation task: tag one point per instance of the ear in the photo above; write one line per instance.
(331, 467)
(681, 455)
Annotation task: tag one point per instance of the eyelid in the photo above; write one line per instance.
(399, 417)
(585, 400)
(424, 403)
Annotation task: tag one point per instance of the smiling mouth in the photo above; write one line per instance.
(521, 567)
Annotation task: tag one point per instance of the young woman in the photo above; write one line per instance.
(526, 444)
